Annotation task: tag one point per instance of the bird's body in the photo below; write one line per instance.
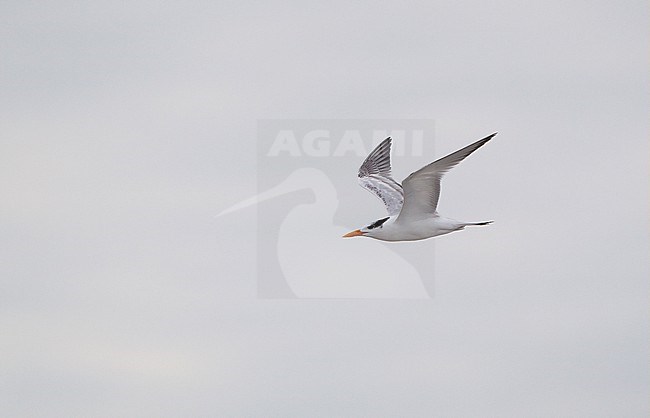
(419, 229)
(412, 206)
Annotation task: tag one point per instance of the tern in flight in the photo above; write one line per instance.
(411, 206)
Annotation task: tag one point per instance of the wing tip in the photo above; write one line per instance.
(487, 138)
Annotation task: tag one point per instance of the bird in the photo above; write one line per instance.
(412, 205)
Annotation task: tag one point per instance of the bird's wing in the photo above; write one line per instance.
(374, 176)
(422, 188)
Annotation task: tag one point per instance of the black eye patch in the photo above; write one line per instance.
(378, 223)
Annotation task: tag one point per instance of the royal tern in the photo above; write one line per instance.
(412, 213)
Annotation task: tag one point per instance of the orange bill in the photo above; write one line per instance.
(354, 233)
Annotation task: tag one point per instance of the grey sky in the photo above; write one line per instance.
(125, 128)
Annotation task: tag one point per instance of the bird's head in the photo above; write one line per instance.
(367, 231)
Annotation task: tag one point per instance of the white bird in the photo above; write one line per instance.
(412, 207)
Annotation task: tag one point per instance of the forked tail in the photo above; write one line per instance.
(478, 223)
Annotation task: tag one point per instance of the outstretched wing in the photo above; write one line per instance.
(422, 188)
(374, 176)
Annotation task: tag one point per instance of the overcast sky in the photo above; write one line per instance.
(127, 126)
